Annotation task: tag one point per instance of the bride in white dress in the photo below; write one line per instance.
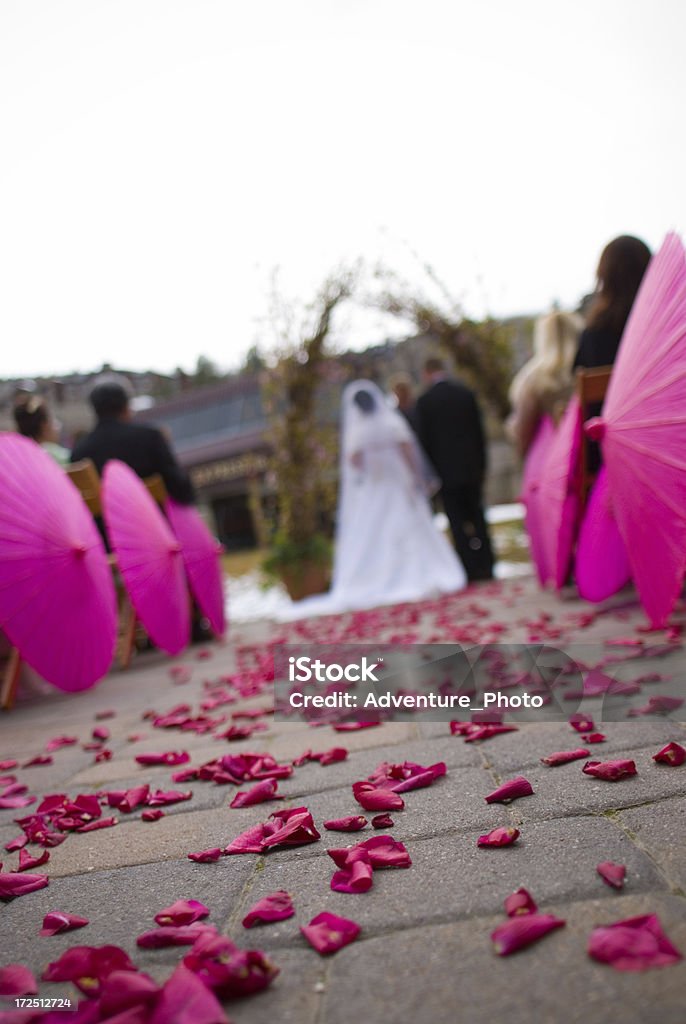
(387, 548)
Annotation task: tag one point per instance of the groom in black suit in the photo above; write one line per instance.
(451, 433)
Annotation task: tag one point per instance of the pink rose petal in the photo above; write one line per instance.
(636, 944)
(327, 933)
(185, 999)
(372, 798)
(227, 970)
(382, 821)
(672, 754)
(173, 935)
(14, 884)
(612, 874)
(353, 823)
(355, 874)
(206, 856)
(168, 757)
(152, 814)
(278, 906)
(502, 836)
(519, 903)
(17, 980)
(519, 932)
(124, 990)
(88, 966)
(564, 756)
(610, 771)
(182, 912)
(27, 861)
(257, 794)
(510, 790)
(582, 723)
(60, 921)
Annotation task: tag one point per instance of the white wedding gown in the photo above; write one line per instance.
(388, 549)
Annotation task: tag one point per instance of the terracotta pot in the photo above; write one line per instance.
(304, 579)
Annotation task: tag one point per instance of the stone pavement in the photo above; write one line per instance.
(424, 954)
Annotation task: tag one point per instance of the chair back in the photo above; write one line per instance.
(591, 388)
(85, 477)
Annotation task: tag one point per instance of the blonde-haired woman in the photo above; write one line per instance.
(544, 385)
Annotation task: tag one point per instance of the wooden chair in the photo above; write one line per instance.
(591, 388)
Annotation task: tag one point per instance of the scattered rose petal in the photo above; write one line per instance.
(227, 970)
(17, 980)
(185, 999)
(152, 814)
(19, 884)
(93, 826)
(129, 799)
(372, 798)
(519, 903)
(8, 764)
(206, 856)
(60, 741)
(503, 836)
(353, 823)
(519, 932)
(60, 921)
(672, 754)
(88, 966)
(27, 861)
(257, 794)
(332, 756)
(296, 828)
(101, 732)
(327, 933)
(174, 935)
(168, 757)
(182, 912)
(173, 796)
(382, 821)
(355, 873)
(510, 790)
(636, 944)
(40, 759)
(612, 874)
(276, 907)
(564, 757)
(582, 723)
(593, 737)
(610, 771)
(123, 990)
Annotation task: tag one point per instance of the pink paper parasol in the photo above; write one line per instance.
(201, 557)
(602, 563)
(558, 495)
(148, 557)
(643, 433)
(57, 600)
(531, 479)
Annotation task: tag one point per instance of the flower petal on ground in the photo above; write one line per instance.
(168, 757)
(257, 794)
(206, 856)
(672, 754)
(19, 884)
(121, 990)
(60, 921)
(186, 1000)
(582, 723)
(296, 828)
(327, 933)
(353, 823)
(28, 861)
(332, 756)
(356, 873)
(276, 907)
(635, 944)
(386, 852)
(181, 935)
(510, 790)
(502, 836)
(610, 771)
(564, 756)
(519, 903)
(612, 874)
(382, 821)
(88, 966)
(519, 932)
(228, 970)
(17, 980)
(182, 912)
(152, 814)
(372, 798)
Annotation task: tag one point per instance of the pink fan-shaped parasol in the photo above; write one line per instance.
(57, 600)
(148, 557)
(531, 480)
(643, 433)
(602, 563)
(201, 557)
(558, 494)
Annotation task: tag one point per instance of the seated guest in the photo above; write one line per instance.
(543, 386)
(33, 419)
(620, 271)
(140, 446)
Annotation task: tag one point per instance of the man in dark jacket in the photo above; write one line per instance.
(141, 447)
(451, 433)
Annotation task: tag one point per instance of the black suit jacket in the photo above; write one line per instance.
(141, 447)
(451, 432)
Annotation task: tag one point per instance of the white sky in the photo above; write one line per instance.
(160, 157)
